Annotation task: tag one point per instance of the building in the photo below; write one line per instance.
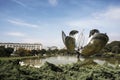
(52, 47)
(27, 46)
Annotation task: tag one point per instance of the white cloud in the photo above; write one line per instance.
(15, 34)
(106, 18)
(112, 13)
(20, 3)
(53, 2)
(22, 23)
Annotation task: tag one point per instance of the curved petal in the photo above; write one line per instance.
(63, 37)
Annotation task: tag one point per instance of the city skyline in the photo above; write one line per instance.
(42, 21)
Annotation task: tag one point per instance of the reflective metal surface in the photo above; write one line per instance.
(97, 43)
(70, 41)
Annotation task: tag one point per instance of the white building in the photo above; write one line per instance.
(52, 47)
(27, 46)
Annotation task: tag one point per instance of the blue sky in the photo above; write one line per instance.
(41, 21)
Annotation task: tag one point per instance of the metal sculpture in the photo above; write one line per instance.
(96, 42)
(70, 41)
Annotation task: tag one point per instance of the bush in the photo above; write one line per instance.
(11, 70)
(5, 52)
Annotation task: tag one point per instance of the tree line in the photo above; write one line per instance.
(7, 52)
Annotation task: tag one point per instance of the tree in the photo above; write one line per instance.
(112, 46)
(2, 51)
(116, 49)
(42, 51)
(9, 51)
(22, 52)
(64, 51)
(34, 52)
